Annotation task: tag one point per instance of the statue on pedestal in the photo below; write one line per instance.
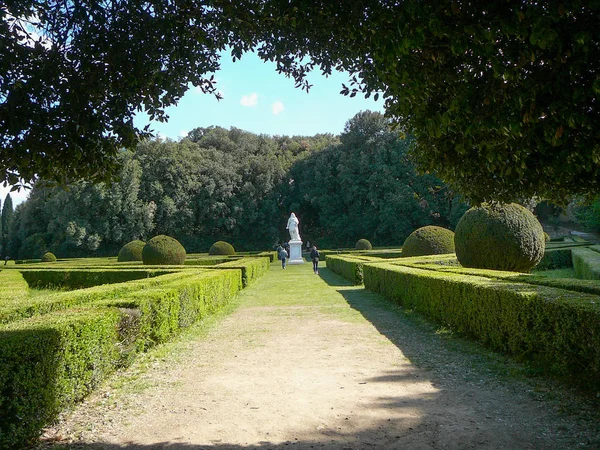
(292, 226)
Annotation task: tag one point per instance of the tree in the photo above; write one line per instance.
(7, 213)
(73, 74)
(500, 96)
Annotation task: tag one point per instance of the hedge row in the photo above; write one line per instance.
(251, 268)
(349, 266)
(14, 309)
(85, 278)
(558, 329)
(559, 258)
(586, 263)
(12, 285)
(52, 361)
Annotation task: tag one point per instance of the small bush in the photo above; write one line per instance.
(221, 248)
(48, 257)
(131, 251)
(163, 250)
(546, 237)
(499, 237)
(429, 240)
(363, 244)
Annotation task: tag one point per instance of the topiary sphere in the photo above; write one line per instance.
(500, 237)
(221, 248)
(131, 251)
(363, 244)
(48, 257)
(429, 240)
(163, 250)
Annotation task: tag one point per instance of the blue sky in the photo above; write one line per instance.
(258, 99)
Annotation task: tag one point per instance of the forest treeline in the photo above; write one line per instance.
(233, 185)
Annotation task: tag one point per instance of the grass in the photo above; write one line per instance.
(557, 273)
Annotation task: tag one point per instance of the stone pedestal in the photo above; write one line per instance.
(295, 253)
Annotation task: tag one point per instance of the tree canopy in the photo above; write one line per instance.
(240, 187)
(501, 97)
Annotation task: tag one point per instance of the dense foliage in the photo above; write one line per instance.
(7, 213)
(500, 237)
(501, 96)
(48, 257)
(239, 187)
(221, 248)
(363, 244)
(429, 240)
(132, 251)
(163, 250)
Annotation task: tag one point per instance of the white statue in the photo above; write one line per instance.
(292, 225)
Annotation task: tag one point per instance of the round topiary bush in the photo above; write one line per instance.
(429, 240)
(221, 248)
(501, 237)
(363, 244)
(48, 257)
(132, 251)
(163, 250)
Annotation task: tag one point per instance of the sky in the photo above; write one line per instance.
(258, 99)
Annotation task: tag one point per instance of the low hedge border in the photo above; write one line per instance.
(52, 361)
(12, 285)
(49, 363)
(251, 267)
(586, 263)
(15, 309)
(555, 328)
(349, 267)
(84, 278)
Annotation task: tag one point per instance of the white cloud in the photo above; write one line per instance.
(249, 100)
(277, 107)
(161, 136)
(183, 133)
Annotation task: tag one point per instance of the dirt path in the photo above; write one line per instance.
(308, 362)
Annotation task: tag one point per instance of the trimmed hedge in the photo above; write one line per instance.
(348, 267)
(500, 237)
(163, 250)
(49, 363)
(429, 240)
(48, 257)
(558, 329)
(555, 259)
(12, 285)
(251, 268)
(85, 278)
(363, 244)
(586, 263)
(15, 309)
(221, 248)
(132, 251)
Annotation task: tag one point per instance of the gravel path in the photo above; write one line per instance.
(308, 361)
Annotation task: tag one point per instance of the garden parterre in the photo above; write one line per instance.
(553, 323)
(57, 346)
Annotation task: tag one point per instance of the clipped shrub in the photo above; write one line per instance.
(363, 244)
(163, 250)
(221, 248)
(131, 251)
(429, 240)
(500, 237)
(546, 237)
(48, 257)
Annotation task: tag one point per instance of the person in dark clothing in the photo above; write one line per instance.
(282, 255)
(286, 247)
(314, 255)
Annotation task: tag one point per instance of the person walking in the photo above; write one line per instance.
(314, 255)
(282, 255)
